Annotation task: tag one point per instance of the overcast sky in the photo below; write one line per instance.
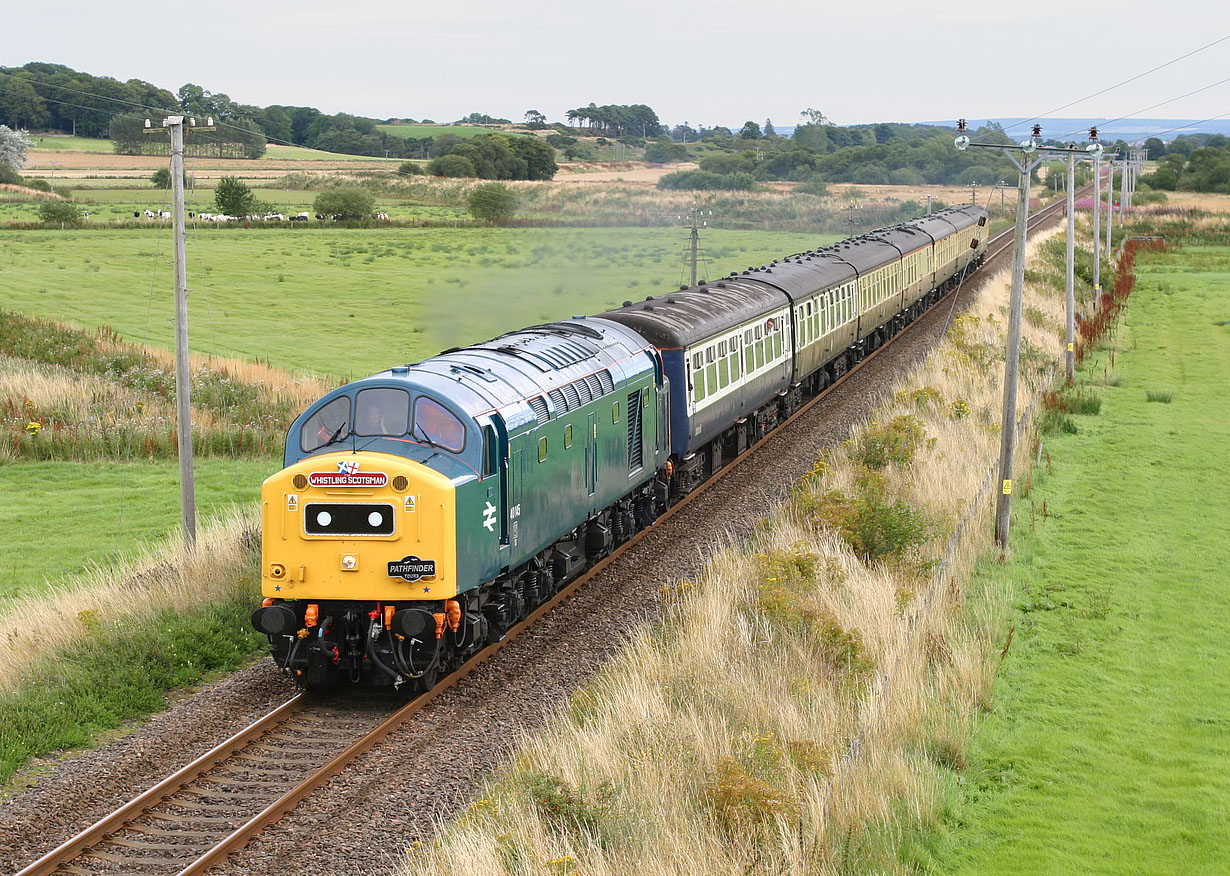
(717, 62)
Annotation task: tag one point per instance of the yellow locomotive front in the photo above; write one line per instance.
(361, 573)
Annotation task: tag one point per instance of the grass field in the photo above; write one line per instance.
(57, 517)
(1108, 750)
(351, 302)
(73, 144)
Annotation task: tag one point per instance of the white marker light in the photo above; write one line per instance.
(324, 518)
(350, 561)
(375, 519)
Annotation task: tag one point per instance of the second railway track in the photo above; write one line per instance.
(194, 820)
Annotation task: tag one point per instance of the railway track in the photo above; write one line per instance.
(193, 820)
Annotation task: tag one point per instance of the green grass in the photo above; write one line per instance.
(302, 153)
(123, 672)
(1108, 750)
(56, 517)
(73, 144)
(351, 302)
(419, 132)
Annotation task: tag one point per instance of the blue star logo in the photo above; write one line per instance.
(426, 589)
(277, 587)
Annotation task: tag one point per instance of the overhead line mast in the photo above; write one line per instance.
(183, 401)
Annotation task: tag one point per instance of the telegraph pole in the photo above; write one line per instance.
(183, 402)
(1097, 216)
(1110, 201)
(695, 214)
(1123, 195)
(1071, 266)
(1027, 150)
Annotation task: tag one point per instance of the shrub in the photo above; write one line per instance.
(59, 213)
(702, 179)
(452, 166)
(40, 185)
(349, 203)
(492, 202)
(1155, 395)
(410, 168)
(161, 178)
(875, 527)
(896, 441)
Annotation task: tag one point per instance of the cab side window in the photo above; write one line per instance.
(326, 425)
(436, 424)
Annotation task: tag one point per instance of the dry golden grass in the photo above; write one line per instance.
(73, 397)
(163, 576)
(794, 708)
(274, 384)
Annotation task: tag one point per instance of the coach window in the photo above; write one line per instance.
(326, 426)
(436, 425)
(723, 365)
(759, 347)
(567, 436)
(382, 412)
(542, 449)
(777, 338)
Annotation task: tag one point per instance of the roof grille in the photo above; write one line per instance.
(539, 404)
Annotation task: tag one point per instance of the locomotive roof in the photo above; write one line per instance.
(506, 372)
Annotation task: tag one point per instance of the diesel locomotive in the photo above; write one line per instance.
(423, 511)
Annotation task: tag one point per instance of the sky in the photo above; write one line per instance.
(712, 63)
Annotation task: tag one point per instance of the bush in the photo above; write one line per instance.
(664, 153)
(59, 213)
(233, 197)
(351, 203)
(410, 168)
(492, 202)
(40, 185)
(875, 527)
(452, 165)
(893, 442)
(702, 179)
(161, 178)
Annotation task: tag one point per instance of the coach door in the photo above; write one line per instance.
(591, 453)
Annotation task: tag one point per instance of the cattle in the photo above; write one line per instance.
(300, 217)
(274, 217)
(382, 216)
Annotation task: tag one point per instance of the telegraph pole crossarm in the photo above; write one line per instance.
(174, 125)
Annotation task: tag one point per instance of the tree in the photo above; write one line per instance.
(535, 119)
(750, 131)
(14, 146)
(56, 212)
(492, 202)
(814, 117)
(351, 203)
(451, 165)
(535, 158)
(20, 104)
(1156, 148)
(768, 129)
(233, 197)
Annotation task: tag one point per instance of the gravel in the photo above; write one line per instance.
(365, 818)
